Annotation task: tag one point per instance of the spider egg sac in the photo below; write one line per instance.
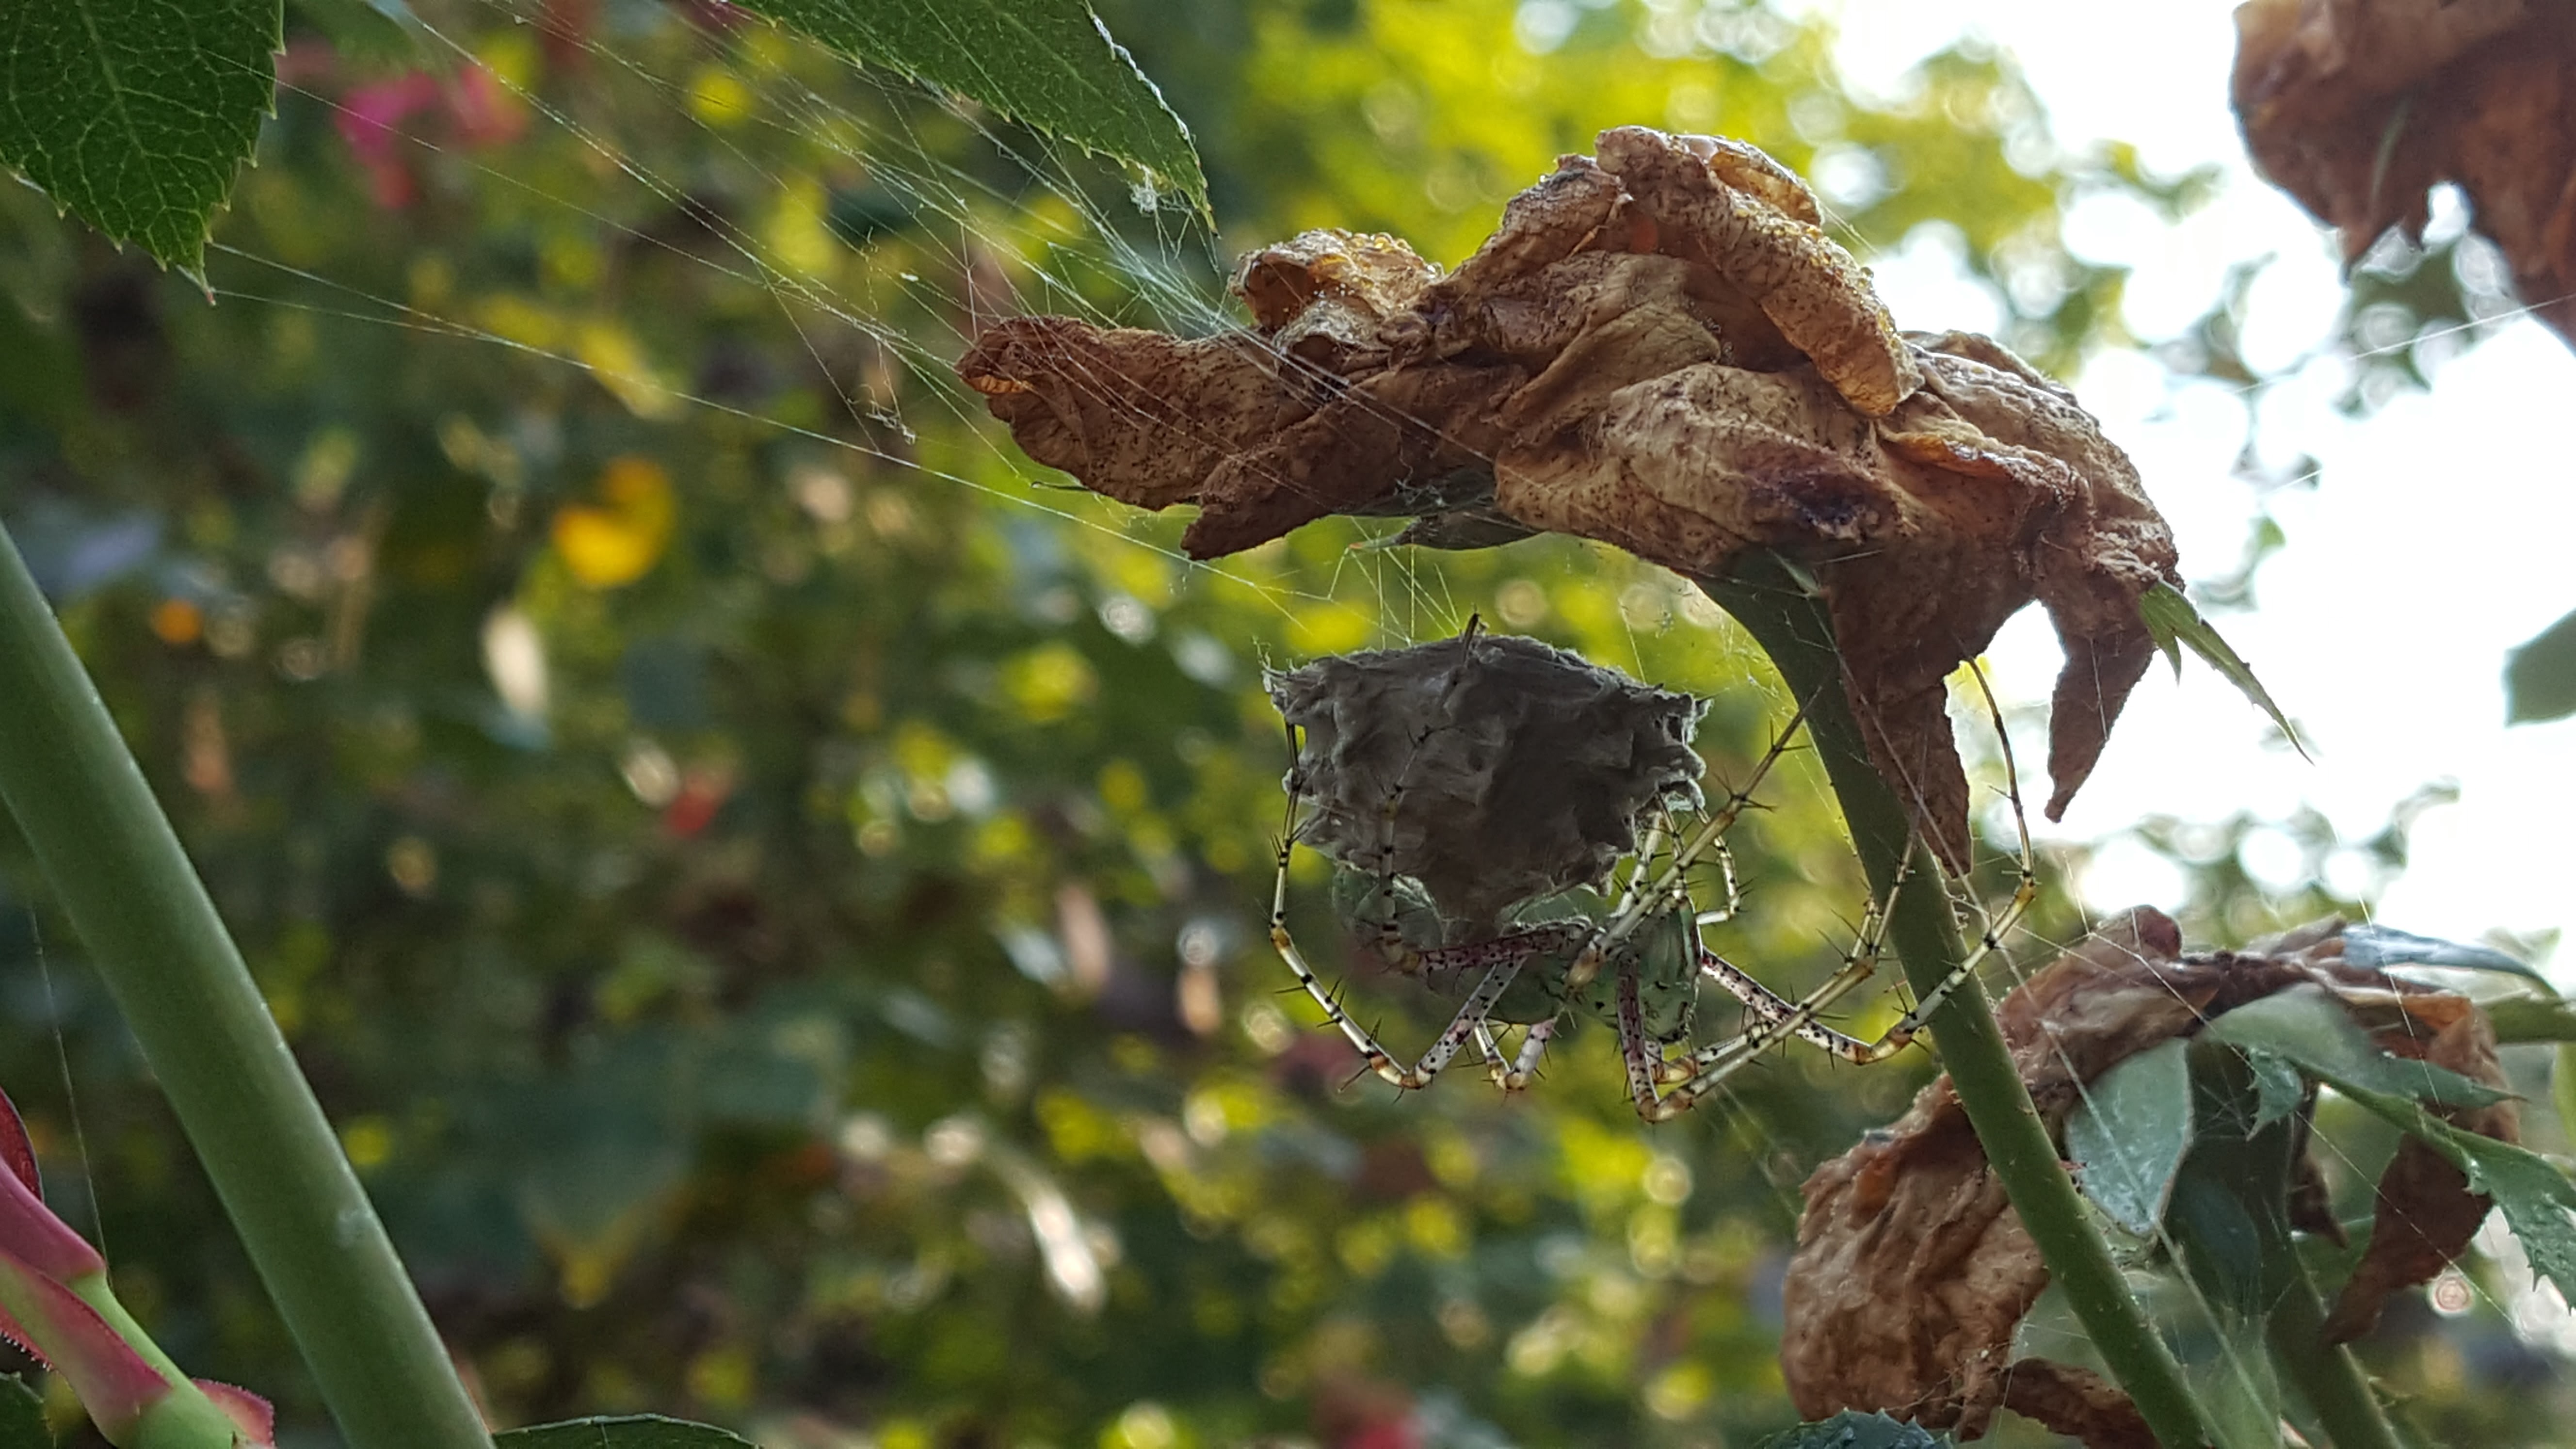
(1492, 769)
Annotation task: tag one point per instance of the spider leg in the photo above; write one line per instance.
(1715, 1064)
(1672, 882)
(1644, 1063)
(1510, 955)
(1775, 1015)
(1525, 1063)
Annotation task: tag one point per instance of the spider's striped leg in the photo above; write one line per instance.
(1524, 1065)
(1719, 1062)
(1672, 883)
(1644, 1063)
(1506, 956)
(1771, 1016)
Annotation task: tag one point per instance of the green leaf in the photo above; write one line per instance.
(2128, 1135)
(1048, 63)
(2305, 1025)
(2536, 1197)
(2228, 1214)
(2540, 676)
(1850, 1430)
(629, 1431)
(2533, 1018)
(22, 1416)
(2175, 623)
(135, 114)
(2278, 1088)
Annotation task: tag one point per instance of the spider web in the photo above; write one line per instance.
(1066, 250)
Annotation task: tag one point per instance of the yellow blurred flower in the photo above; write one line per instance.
(618, 539)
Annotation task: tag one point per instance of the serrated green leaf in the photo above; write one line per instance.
(1048, 63)
(2536, 1198)
(2174, 623)
(22, 1416)
(2278, 1088)
(1850, 1430)
(628, 1431)
(2305, 1025)
(2540, 675)
(2128, 1135)
(135, 114)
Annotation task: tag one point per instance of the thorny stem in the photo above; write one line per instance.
(119, 872)
(1791, 626)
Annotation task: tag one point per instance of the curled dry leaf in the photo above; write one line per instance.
(2358, 107)
(1912, 1270)
(1660, 349)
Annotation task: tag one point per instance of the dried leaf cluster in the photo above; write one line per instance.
(1661, 349)
(1912, 1269)
(2358, 107)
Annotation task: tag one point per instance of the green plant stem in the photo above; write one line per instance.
(2326, 1373)
(119, 873)
(2532, 1018)
(1791, 626)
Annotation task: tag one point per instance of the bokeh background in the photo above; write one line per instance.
(772, 887)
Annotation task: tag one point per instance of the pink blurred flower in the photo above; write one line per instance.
(468, 109)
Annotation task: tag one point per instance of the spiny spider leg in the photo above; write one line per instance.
(1716, 1063)
(1525, 1063)
(1502, 958)
(1673, 880)
(1643, 1062)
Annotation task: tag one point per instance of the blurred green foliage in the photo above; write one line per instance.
(773, 892)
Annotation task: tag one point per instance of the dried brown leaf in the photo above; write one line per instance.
(2078, 1403)
(1660, 349)
(1750, 221)
(1137, 415)
(1911, 1269)
(2425, 1214)
(2357, 107)
(1323, 295)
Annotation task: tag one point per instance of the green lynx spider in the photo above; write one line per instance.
(1639, 967)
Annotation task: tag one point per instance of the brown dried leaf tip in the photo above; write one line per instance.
(2358, 107)
(1660, 349)
(1912, 1269)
